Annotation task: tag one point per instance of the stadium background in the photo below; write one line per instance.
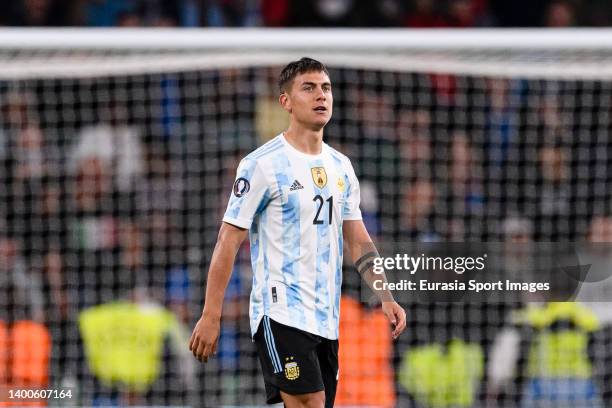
(113, 188)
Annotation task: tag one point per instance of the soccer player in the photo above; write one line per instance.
(298, 198)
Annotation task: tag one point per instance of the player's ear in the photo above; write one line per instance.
(285, 101)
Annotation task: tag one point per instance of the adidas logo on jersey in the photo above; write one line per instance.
(296, 186)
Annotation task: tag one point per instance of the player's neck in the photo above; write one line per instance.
(305, 140)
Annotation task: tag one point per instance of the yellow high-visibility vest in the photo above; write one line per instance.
(124, 342)
(559, 353)
(438, 379)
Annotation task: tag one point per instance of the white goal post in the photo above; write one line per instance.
(529, 53)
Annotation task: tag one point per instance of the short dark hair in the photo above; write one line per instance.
(295, 68)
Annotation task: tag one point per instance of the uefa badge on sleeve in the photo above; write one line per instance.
(241, 186)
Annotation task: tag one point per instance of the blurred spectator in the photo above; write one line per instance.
(461, 192)
(21, 295)
(169, 104)
(554, 122)
(518, 257)
(275, 13)
(517, 229)
(232, 13)
(516, 232)
(113, 145)
(52, 268)
(456, 13)
(597, 286)
(376, 127)
(467, 13)
(424, 14)
(34, 13)
(178, 286)
(518, 13)
(314, 13)
(554, 164)
(159, 198)
(596, 292)
(191, 13)
(502, 121)
(21, 136)
(233, 132)
(25, 351)
(416, 208)
(98, 239)
(25, 342)
(28, 162)
(465, 173)
(556, 357)
(414, 137)
(119, 359)
(108, 13)
(377, 116)
(23, 160)
(104, 13)
(554, 196)
(444, 88)
(270, 118)
(595, 13)
(369, 206)
(560, 13)
(93, 187)
(129, 20)
(307, 13)
(345, 13)
(365, 354)
(161, 13)
(160, 190)
(443, 374)
(94, 233)
(131, 241)
(385, 13)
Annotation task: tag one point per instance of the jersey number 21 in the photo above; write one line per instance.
(320, 201)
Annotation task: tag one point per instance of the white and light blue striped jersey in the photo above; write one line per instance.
(293, 205)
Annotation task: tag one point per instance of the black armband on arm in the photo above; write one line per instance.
(366, 262)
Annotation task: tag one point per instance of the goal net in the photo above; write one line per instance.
(118, 152)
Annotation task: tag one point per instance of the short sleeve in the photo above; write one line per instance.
(351, 210)
(250, 195)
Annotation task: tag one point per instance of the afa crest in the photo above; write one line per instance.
(319, 176)
(292, 370)
(340, 184)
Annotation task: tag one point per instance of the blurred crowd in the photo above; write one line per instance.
(306, 13)
(114, 188)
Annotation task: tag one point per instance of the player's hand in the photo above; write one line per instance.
(396, 316)
(203, 342)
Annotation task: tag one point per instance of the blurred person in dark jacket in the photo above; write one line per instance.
(36, 13)
(345, 13)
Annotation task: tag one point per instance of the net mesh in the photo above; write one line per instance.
(114, 183)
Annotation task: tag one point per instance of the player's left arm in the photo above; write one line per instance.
(363, 251)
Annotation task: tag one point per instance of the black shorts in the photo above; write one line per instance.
(296, 362)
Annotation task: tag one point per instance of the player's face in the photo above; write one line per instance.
(309, 100)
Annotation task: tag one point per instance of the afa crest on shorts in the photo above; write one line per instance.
(292, 370)
(319, 176)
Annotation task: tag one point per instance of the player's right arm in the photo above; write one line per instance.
(203, 342)
(249, 197)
